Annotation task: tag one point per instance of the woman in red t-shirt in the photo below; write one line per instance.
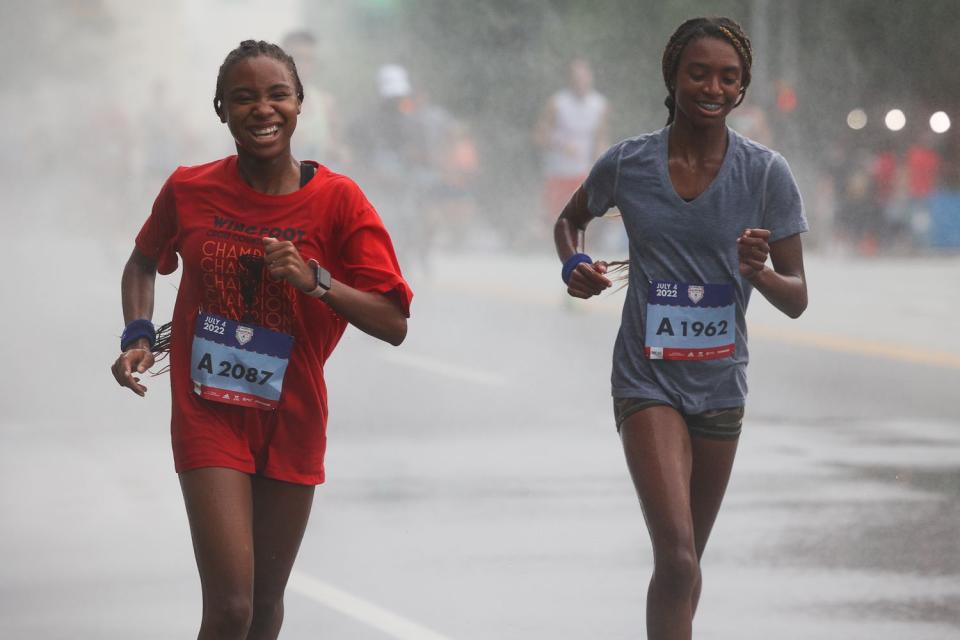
(278, 256)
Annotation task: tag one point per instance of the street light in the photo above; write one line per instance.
(857, 119)
(940, 122)
(895, 120)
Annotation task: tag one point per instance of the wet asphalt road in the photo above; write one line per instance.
(476, 487)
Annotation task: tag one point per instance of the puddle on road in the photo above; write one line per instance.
(915, 533)
(926, 610)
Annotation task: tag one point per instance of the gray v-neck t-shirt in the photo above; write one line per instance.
(691, 243)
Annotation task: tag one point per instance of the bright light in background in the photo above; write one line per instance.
(940, 122)
(895, 120)
(857, 119)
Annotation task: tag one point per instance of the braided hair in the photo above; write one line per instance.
(694, 29)
(253, 49)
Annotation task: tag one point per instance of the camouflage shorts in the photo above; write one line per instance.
(720, 424)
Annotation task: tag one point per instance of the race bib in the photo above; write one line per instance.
(238, 363)
(690, 321)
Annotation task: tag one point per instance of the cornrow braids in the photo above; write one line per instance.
(253, 49)
(693, 29)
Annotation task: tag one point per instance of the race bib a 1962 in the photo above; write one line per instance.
(690, 321)
(238, 363)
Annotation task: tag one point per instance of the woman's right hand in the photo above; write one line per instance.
(588, 280)
(134, 360)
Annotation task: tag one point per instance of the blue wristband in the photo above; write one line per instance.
(572, 263)
(138, 329)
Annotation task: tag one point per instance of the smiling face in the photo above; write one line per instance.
(260, 106)
(708, 82)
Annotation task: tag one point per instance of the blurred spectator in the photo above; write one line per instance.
(571, 133)
(318, 129)
(883, 172)
(886, 189)
(923, 167)
(902, 190)
(857, 213)
(943, 231)
(751, 121)
(454, 162)
(392, 155)
(418, 164)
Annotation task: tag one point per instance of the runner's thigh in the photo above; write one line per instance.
(280, 514)
(657, 447)
(219, 508)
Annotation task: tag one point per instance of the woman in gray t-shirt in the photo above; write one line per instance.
(704, 207)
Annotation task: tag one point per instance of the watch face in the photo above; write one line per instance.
(323, 277)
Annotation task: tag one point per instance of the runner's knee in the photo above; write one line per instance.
(227, 616)
(676, 570)
(267, 609)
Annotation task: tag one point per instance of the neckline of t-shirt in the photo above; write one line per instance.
(234, 173)
(665, 168)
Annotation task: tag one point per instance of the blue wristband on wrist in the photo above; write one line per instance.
(135, 330)
(572, 263)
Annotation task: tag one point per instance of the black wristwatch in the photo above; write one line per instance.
(321, 278)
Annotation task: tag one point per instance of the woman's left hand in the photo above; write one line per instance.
(752, 249)
(284, 262)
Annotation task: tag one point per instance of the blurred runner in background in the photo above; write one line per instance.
(571, 133)
(392, 152)
(319, 129)
(449, 201)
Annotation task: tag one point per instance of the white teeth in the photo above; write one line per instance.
(268, 131)
(709, 106)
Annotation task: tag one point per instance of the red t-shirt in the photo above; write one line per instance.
(210, 217)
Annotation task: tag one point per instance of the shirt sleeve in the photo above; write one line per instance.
(783, 212)
(601, 184)
(157, 239)
(367, 256)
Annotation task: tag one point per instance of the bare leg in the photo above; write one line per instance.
(658, 452)
(280, 514)
(219, 508)
(712, 464)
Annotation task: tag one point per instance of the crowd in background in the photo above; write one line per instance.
(897, 195)
(423, 166)
(472, 137)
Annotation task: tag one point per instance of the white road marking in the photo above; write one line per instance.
(445, 369)
(392, 624)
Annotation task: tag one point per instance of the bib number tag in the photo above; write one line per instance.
(238, 363)
(690, 321)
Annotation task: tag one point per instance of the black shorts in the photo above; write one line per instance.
(720, 424)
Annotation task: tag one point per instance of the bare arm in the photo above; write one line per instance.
(784, 285)
(376, 314)
(136, 293)
(136, 287)
(587, 279)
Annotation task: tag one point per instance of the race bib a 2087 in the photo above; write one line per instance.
(690, 321)
(238, 363)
